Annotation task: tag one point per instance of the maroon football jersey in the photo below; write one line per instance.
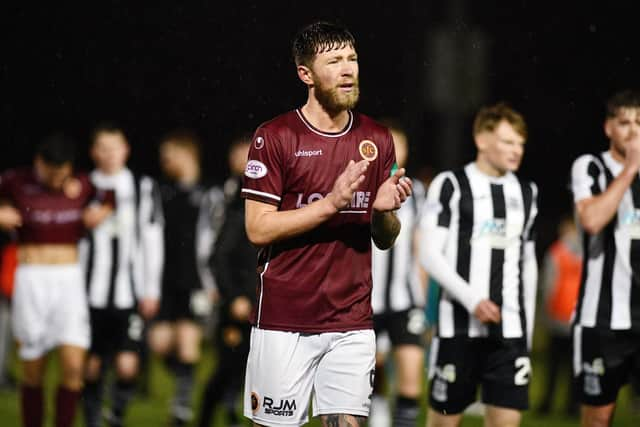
(319, 281)
(48, 216)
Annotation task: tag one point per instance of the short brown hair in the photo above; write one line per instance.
(184, 138)
(624, 99)
(317, 38)
(490, 116)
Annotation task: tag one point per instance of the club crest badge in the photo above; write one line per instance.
(368, 150)
(255, 402)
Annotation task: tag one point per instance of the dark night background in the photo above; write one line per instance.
(223, 68)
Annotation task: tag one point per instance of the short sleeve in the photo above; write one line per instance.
(585, 177)
(263, 176)
(437, 210)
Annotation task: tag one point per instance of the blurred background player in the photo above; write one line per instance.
(560, 284)
(606, 192)
(192, 214)
(398, 309)
(123, 263)
(234, 263)
(8, 264)
(478, 245)
(49, 207)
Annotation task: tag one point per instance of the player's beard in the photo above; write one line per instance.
(335, 101)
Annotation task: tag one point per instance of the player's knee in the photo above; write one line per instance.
(189, 354)
(127, 367)
(93, 369)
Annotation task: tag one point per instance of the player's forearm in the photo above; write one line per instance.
(435, 263)
(530, 280)
(385, 227)
(267, 227)
(596, 212)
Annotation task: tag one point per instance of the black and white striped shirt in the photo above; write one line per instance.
(396, 281)
(477, 242)
(123, 256)
(610, 290)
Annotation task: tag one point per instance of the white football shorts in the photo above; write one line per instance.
(49, 308)
(285, 369)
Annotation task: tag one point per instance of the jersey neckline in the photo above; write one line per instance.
(317, 131)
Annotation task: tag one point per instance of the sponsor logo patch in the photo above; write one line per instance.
(283, 408)
(255, 169)
(259, 143)
(368, 150)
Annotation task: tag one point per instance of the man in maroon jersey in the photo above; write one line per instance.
(49, 207)
(319, 184)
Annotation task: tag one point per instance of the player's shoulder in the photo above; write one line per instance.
(279, 126)
(448, 177)
(586, 161)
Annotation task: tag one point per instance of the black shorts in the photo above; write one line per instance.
(183, 304)
(115, 330)
(403, 327)
(604, 361)
(459, 365)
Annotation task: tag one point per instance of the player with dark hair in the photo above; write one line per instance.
(50, 208)
(320, 183)
(192, 216)
(234, 259)
(478, 244)
(606, 333)
(123, 263)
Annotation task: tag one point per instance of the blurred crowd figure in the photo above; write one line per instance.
(560, 284)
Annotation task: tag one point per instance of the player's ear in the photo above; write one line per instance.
(305, 74)
(481, 140)
(607, 128)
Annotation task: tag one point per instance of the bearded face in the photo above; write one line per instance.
(335, 79)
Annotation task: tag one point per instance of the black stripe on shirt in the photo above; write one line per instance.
(497, 256)
(527, 201)
(463, 262)
(446, 192)
(606, 294)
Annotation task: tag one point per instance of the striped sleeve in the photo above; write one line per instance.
(150, 257)
(438, 207)
(585, 177)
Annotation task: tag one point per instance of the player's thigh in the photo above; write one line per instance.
(501, 417)
(33, 371)
(343, 420)
(409, 367)
(188, 337)
(279, 376)
(345, 375)
(127, 364)
(454, 376)
(436, 419)
(72, 359)
(602, 363)
(93, 367)
(597, 416)
(161, 337)
(506, 373)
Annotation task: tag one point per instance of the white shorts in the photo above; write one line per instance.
(285, 368)
(49, 308)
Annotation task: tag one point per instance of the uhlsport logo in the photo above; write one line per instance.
(255, 402)
(255, 169)
(259, 143)
(368, 150)
(284, 408)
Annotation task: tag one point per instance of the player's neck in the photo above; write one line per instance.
(109, 172)
(488, 169)
(189, 176)
(616, 155)
(322, 119)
